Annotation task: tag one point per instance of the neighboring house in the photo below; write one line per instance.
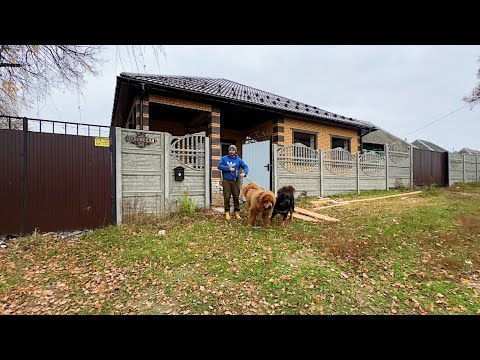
(229, 113)
(427, 145)
(469, 151)
(376, 140)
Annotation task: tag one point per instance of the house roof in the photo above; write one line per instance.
(427, 145)
(469, 151)
(230, 90)
(381, 136)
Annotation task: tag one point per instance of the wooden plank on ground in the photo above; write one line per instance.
(304, 217)
(321, 202)
(315, 215)
(385, 197)
(369, 199)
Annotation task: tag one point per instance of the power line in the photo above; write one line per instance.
(433, 122)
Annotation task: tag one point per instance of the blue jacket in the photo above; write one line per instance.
(226, 162)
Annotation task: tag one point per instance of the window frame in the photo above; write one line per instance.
(307, 132)
(342, 138)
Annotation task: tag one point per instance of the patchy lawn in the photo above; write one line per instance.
(405, 255)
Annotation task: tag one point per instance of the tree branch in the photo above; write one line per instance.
(9, 65)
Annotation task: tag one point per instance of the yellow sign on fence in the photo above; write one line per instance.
(102, 141)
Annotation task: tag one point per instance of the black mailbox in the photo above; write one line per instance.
(179, 173)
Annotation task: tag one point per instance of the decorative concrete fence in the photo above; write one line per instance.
(463, 168)
(145, 171)
(323, 173)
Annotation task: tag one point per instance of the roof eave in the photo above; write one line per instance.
(243, 103)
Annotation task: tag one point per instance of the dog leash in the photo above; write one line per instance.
(252, 182)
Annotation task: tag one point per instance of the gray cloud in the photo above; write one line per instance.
(399, 88)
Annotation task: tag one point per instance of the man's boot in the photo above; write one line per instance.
(237, 215)
(227, 215)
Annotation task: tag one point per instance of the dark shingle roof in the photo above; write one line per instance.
(228, 89)
(427, 145)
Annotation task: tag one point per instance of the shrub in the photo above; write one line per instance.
(186, 205)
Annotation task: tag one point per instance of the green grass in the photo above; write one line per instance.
(414, 255)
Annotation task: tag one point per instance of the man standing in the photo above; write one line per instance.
(230, 165)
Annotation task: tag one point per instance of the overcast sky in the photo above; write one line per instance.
(398, 88)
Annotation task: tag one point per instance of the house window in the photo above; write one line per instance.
(306, 138)
(341, 142)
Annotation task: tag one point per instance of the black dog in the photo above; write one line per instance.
(285, 203)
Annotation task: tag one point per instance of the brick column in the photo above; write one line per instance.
(146, 117)
(359, 139)
(278, 130)
(213, 132)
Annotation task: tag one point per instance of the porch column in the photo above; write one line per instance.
(359, 140)
(142, 118)
(213, 133)
(278, 130)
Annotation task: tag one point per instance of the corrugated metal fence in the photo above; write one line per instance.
(53, 176)
(430, 167)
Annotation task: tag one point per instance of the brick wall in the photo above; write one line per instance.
(324, 133)
(180, 103)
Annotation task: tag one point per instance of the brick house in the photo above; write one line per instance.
(228, 113)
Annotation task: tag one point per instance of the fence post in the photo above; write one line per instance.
(113, 151)
(118, 174)
(386, 167)
(449, 169)
(358, 172)
(166, 171)
(275, 168)
(25, 175)
(207, 172)
(476, 168)
(463, 156)
(411, 166)
(322, 190)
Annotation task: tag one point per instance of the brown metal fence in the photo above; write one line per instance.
(430, 167)
(53, 181)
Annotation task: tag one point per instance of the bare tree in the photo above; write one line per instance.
(474, 97)
(29, 72)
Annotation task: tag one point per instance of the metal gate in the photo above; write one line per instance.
(430, 167)
(257, 155)
(53, 181)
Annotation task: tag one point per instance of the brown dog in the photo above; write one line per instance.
(258, 202)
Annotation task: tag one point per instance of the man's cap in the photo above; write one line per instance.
(232, 147)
